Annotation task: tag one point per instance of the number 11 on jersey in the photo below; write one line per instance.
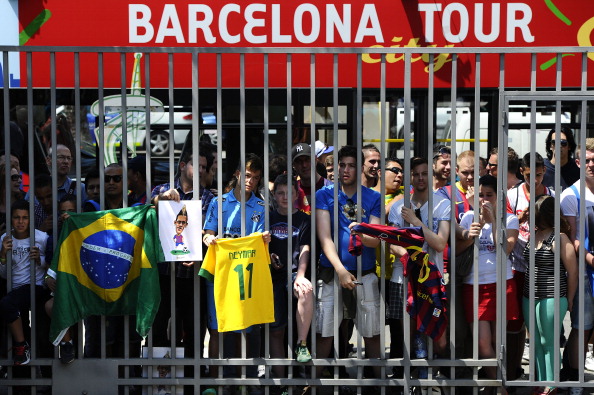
(239, 270)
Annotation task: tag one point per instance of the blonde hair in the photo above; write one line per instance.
(463, 155)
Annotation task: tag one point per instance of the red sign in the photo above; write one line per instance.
(297, 24)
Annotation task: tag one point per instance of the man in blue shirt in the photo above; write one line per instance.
(361, 298)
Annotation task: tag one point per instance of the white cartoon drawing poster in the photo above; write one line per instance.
(180, 230)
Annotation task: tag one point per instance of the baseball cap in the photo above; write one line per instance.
(301, 149)
(322, 149)
(138, 163)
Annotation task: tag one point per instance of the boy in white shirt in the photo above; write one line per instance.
(18, 300)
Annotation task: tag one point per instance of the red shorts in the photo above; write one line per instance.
(487, 303)
(516, 326)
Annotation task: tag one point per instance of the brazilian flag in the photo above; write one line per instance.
(105, 263)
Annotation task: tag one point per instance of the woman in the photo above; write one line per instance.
(486, 230)
(545, 244)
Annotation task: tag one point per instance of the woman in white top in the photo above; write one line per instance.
(486, 230)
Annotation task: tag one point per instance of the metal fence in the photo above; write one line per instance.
(131, 369)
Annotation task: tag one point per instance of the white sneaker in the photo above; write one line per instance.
(589, 365)
(526, 355)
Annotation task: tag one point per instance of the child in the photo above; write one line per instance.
(18, 300)
(302, 287)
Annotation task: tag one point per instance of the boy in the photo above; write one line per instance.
(302, 287)
(18, 300)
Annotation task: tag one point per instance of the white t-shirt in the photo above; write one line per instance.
(518, 202)
(487, 260)
(441, 212)
(570, 208)
(21, 272)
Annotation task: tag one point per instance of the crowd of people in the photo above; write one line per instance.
(346, 259)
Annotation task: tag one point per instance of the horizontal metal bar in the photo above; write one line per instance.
(298, 50)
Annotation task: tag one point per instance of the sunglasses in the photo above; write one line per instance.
(395, 170)
(116, 178)
(562, 141)
(16, 177)
(442, 151)
(489, 164)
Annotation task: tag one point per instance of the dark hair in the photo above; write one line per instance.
(252, 163)
(513, 160)
(488, 181)
(349, 151)
(206, 150)
(277, 166)
(43, 180)
(545, 214)
(370, 147)
(283, 179)
(93, 173)
(182, 212)
(568, 136)
(68, 198)
(483, 161)
(538, 160)
(416, 161)
(20, 204)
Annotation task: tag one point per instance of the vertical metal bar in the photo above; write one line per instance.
(557, 181)
(267, 217)
(124, 114)
(219, 174)
(242, 180)
(407, 178)
(500, 256)
(101, 122)
(582, 218)
(382, 279)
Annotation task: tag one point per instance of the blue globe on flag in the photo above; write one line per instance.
(106, 257)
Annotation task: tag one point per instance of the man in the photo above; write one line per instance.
(342, 262)
(394, 284)
(371, 164)
(436, 234)
(513, 164)
(92, 185)
(301, 154)
(43, 203)
(464, 189)
(182, 189)
(570, 172)
(570, 207)
(231, 227)
(394, 180)
(63, 162)
(442, 166)
(137, 183)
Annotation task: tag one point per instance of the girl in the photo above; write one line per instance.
(544, 245)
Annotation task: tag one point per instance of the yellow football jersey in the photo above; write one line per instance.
(242, 282)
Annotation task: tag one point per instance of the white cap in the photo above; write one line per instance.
(322, 149)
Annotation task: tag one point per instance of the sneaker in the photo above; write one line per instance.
(526, 355)
(589, 365)
(66, 352)
(576, 391)
(302, 354)
(22, 354)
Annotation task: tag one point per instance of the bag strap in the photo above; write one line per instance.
(577, 195)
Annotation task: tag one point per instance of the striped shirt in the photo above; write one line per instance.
(544, 271)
